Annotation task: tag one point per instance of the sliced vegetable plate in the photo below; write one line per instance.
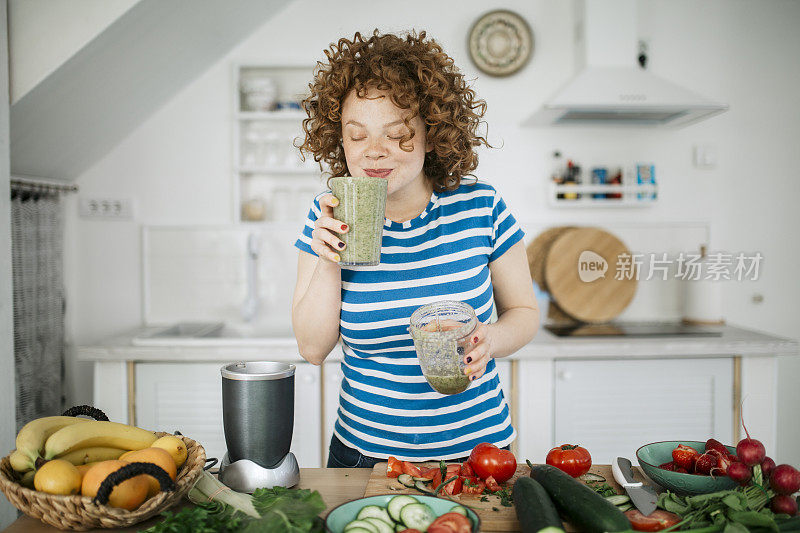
(393, 513)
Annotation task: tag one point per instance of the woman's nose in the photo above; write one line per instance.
(376, 149)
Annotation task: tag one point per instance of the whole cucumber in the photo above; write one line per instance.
(583, 507)
(535, 510)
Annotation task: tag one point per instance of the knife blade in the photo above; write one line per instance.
(643, 497)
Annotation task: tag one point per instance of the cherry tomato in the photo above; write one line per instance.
(572, 459)
(450, 523)
(655, 521)
(489, 460)
(395, 467)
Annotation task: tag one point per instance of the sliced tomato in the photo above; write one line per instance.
(472, 485)
(395, 467)
(411, 469)
(466, 470)
(454, 487)
(492, 484)
(450, 523)
(428, 473)
(655, 521)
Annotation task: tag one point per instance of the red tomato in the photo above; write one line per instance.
(428, 473)
(454, 487)
(466, 470)
(655, 521)
(395, 467)
(574, 460)
(492, 484)
(489, 460)
(450, 523)
(411, 469)
(472, 485)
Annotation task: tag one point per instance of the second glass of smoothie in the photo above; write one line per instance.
(362, 206)
(441, 333)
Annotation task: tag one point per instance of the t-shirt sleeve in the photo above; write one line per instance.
(506, 232)
(304, 240)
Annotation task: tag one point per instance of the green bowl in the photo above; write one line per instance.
(345, 513)
(656, 453)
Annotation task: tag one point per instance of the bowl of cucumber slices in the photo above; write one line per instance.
(390, 513)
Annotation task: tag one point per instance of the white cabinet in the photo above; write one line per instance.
(611, 407)
(188, 397)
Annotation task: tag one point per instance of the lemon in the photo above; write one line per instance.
(175, 446)
(58, 477)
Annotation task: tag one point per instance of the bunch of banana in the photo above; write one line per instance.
(93, 434)
(33, 435)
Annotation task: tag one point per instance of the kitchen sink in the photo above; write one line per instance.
(213, 334)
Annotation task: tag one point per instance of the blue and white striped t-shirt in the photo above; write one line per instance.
(386, 407)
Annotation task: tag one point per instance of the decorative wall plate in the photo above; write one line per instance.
(500, 42)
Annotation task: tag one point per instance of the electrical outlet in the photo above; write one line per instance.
(117, 208)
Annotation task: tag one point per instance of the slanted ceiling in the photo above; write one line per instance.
(96, 98)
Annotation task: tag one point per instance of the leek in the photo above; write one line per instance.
(209, 489)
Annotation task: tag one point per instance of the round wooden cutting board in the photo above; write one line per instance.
(537, 252)
(599, 296)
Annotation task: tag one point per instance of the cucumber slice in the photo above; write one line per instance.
(423, 487)
(380, 525)
(618, 499)
(399, 527)
(458, 509)
(417, 516)
(358, 530)
(397, 503)
(361, 524)
(375, 512)
(406, 480)
(423, 479)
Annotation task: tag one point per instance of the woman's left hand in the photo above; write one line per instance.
(481, 352)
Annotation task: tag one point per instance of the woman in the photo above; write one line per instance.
(397, 108)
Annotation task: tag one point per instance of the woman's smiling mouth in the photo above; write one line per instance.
(377, 172)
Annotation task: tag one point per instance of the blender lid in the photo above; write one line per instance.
(257, 370)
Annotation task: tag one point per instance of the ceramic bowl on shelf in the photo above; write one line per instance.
(657, 453)
(345, 513)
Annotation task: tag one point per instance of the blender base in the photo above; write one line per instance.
(245, 475)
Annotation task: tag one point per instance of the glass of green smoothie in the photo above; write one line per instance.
(362, 206)
(441, 333)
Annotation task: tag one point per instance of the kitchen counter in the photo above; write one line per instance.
(734, 340)
(336, 485)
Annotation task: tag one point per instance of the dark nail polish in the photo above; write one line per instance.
(469, 359)
(341, 244)
(344, 227)
(472, 378)
(475, 340)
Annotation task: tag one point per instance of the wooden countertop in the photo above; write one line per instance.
(336, 485)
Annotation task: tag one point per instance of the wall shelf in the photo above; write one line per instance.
(589, 195)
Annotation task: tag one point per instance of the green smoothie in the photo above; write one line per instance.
(362, 206)
(452, 384)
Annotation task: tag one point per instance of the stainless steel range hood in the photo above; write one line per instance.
(611, 89)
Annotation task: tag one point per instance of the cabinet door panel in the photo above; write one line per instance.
(188, 397)
(611, 407)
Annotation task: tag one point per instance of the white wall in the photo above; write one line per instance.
(45, 33)
(176, 166)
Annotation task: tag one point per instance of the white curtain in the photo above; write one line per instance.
(37, 251)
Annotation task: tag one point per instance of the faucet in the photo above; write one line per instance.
(250, 306)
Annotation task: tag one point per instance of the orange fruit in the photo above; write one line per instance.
(58, 477)
(156, 456)
(127, 495)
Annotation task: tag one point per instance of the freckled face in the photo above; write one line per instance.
(371, 131)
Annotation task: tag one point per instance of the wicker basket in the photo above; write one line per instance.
(78, 513)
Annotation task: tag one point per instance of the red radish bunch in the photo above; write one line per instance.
(767, 466)
(785, 479)
(740, 473)
(782, 503)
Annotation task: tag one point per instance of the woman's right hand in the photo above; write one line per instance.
(324, 241)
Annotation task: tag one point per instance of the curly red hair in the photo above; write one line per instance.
(419, 76)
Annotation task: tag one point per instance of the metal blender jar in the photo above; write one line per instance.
(258, 418)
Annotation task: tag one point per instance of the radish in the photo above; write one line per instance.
(767, 466)
(740, 473)
(785, 479)
(782, 503)
(750, 451)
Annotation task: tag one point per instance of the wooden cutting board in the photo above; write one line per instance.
(595, 298)
(537, 252)
(501, 519)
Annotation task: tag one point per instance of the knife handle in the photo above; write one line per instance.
(623, 473)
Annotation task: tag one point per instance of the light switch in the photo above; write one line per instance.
(705, 156)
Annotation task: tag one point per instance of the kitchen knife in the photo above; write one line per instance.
(642, 496)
